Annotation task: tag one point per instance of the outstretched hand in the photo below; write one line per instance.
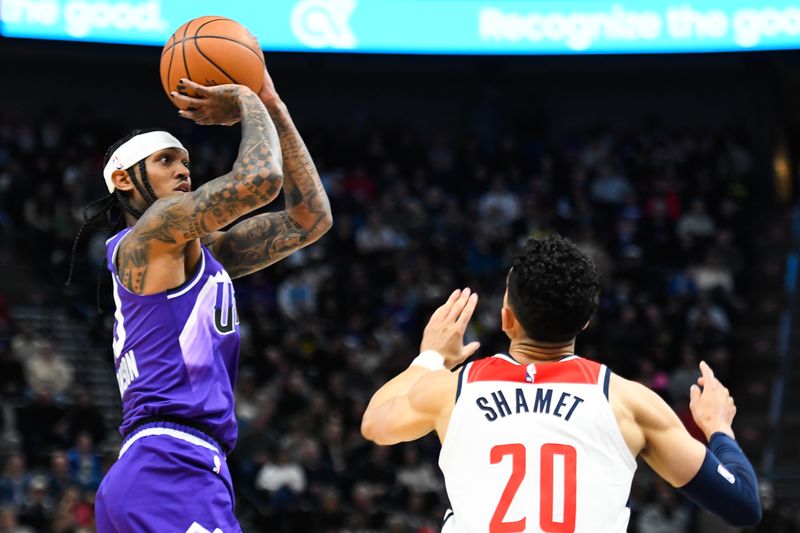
(712, 408)
(209, 105)
(445, 330)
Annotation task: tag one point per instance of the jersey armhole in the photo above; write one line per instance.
(604, 379)
(114, 254)
(175, 292)
(462, 378)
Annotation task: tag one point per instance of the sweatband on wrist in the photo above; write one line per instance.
(726, 483)
(430, 359)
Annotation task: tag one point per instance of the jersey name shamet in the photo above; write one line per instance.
(535, 448)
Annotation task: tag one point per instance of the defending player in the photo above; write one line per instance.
(539, 439)
(176, 333)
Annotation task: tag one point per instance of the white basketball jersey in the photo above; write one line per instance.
(535, 448)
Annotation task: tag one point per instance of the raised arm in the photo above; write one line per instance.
(419, 399)
(718, 478)
(262, 240)
(254, 181)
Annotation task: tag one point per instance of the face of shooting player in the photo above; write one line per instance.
(148, 166)
(167, 171)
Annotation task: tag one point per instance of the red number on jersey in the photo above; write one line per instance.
(546, 520)
(546, 486)
(517, 453)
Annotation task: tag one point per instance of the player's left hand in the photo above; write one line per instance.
(445, 330)
(712, 407)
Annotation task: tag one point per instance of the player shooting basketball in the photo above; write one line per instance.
(176, 333)
(539, 439)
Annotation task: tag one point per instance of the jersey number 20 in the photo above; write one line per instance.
(547, 455)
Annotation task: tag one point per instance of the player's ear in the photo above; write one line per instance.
(507, 319)
(122, 180)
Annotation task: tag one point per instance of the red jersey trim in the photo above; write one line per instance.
(576, 370)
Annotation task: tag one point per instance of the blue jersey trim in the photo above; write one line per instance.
(606, 381)
(506, 354)
(460, 381)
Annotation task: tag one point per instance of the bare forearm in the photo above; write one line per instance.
(255, 180)
(306, 200)
(397, 386)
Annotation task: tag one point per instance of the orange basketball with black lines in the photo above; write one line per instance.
(212, 51)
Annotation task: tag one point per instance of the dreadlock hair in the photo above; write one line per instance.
(101, 209)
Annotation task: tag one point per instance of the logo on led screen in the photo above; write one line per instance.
(324, 23)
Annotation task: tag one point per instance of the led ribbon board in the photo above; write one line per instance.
(430, 26)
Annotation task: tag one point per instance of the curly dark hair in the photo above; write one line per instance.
(553, 289)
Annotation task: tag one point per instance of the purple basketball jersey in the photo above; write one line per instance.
(176, 352)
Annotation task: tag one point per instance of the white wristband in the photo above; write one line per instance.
(430, 359)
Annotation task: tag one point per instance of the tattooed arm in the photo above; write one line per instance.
(254, 181)
(265, 239)
(154, 249)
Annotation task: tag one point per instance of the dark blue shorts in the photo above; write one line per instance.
(169, 479)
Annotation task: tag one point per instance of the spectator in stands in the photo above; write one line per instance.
(41, 424)
(610, 187)
(68, 512)
(84, 417)
(37, 509)
(39, 215)
(59, 477)
(364, 514)
(499, 204)
(48, 371)
(12, 373)
(378, 236)
(9, 522)
(329, 516)
(416, 476)
(664, 513)
(712, 273)
(14, 481)
(26, 341)
(283, 479)
(684, 376)
(696, 223)
(84, 464)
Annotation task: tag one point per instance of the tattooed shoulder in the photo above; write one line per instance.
(132, 264)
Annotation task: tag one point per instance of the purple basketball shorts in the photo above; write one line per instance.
(169, 479)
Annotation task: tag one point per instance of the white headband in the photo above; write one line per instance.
(136, 149)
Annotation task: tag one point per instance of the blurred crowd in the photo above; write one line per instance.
(416, 214)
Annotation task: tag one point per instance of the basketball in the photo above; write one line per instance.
(212, 51)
